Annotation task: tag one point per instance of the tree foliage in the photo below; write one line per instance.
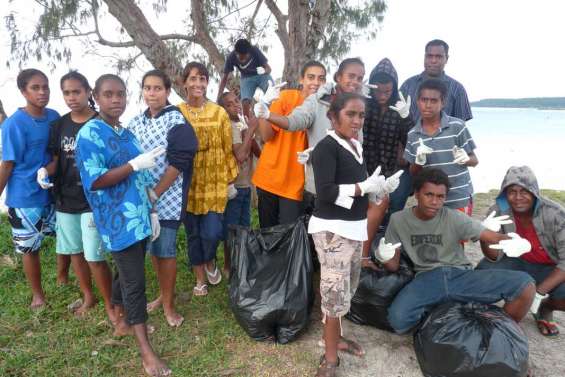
(131, 29)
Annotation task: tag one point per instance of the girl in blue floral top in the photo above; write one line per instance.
(115, 181)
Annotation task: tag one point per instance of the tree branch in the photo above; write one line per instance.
(251, 22)
(281, 18)
(202, 35)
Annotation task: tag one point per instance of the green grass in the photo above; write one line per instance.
(52, 342)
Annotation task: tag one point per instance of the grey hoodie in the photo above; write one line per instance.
(548, 217)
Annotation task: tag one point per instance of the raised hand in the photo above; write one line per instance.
(494, 223)
(261, 110)
(402, 106)
(421, 152)
(273, 92)
(514, 247)
(460, 156)
(386, 251)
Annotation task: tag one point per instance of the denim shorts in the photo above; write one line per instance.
(248, 85)
(443, 284)
(238, 210)
(76, 233)
(539, 272)
(30, 226)
(165, 246)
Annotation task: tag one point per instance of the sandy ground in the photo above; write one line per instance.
(390, 355)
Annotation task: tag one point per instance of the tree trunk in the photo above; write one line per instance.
(298, 27)
(146, 39)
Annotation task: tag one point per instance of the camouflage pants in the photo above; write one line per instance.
(340, 261)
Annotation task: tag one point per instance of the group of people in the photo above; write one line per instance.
(347, 152)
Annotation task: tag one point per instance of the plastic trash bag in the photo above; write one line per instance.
(471, 340)
(271, 292)
(375, 293)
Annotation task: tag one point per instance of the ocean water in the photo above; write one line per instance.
(507, 137)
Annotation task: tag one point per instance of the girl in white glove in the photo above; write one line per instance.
(339, 222)
(114, 176)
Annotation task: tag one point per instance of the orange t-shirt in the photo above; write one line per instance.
(278, 170)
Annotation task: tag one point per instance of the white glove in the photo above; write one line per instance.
(152, 196)
(43, 179)
(402, 106)
(460, 156)
(366, 89)
(373, 184)
(386, 251)
(242, 124)
(421, 152)
(392, 183)
(304, 156)
(261, 110)
(146, 160)
(495, 223)
(232, 191)
(260, 71)
(327, 88)
(155, 226)
(514, 247)
(538, 298)
(273, 92)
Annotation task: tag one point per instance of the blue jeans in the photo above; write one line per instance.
(539, 272)
(238, 210)
(444, 284)
(248, 85)
(203, 234)
(165, 246)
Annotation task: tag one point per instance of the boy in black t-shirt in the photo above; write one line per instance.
(254, 69)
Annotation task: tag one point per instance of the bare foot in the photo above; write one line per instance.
(155, 367)
(122, 329)
(62, 281)
(174, 319)
(85, 307)
(112, 316)
(155, 304)
(37, 302)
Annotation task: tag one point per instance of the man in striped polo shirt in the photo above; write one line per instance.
(456, 103)
(444, 142)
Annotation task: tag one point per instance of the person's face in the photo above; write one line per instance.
(111, 98)
(313, 78)
(154, 92)
(196, 84)
(350, 79)
(430, 199)
(520, 199)
(435, 60)
(75, 95)
(383, 93)
(37, 91)
(430, 103)
(232, 104)
(350, 119)
(242, 57)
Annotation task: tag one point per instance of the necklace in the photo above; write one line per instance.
(197, 112)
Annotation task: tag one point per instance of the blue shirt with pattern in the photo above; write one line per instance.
(152, 132)
(121, 212)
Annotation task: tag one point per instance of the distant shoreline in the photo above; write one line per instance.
(540, 103)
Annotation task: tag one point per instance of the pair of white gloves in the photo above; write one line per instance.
(514, 247)
(459, 155)
(273, 92)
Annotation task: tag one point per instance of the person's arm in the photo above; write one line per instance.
(487, 238)
(255, 148)
(267, 68)
(167, 179)
(415, 169)
(301, 118)
(52, 166)
(6, 168)
(265, 130)
(222, 86)
(394, 264)
(554, 279)
(473, 160)
(242, 150)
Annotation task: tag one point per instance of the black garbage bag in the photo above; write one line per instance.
(271, 292)
(471, 340)
(375, 293)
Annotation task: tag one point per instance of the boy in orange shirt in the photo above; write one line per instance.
(279, 177)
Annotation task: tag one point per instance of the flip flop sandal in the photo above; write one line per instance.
(215, 277)
(73, 306)
(353, 348)
(549, 326)
(200, 290)
(327, 369)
